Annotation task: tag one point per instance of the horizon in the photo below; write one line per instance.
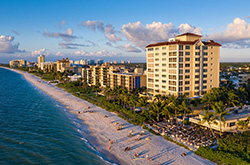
(110, 31)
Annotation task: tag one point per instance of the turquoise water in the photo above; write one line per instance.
(35, 129)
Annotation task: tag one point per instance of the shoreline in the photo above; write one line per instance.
(99, 131)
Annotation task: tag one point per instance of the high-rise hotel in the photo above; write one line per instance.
(183, 65)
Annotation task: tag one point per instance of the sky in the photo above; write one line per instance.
(118, 30)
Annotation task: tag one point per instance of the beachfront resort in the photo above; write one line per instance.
(177, 95)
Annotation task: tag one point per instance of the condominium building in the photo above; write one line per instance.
(62, 64)
(243, 79)
(17, 63)
(183, 65)
(40, 59)
(48, 66)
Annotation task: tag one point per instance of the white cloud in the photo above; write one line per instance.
(68, 36)
(59, 54)
(39, 52)
(102, 53)
(7, 45)
(184, 28)
(128, 48)
(71, 45)
(236, 35)
(107, 29)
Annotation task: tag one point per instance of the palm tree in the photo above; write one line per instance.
(208, 100)
(209, 118)
(231, 99)
(156, 108)
(174, 105)
(242, 125)
(242, 95)
(142, 102)
(184, 106)
(168, 110)
(220, 112)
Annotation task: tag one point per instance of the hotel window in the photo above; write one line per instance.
(164, 64)
(163, 86)
(205, 53)
(180, 89)
(204, 76)
(163, 81)
(197, 59)
(197, 76)
(180, 59)
(212, 53)
(156, 75)
(187, 53)
(187, 76)
(150, 49)
(187, 71)
(172, 59)
(211, 75)
(181, 77)
(163, 92)
(187, 59)
(211, 80)
(211, 64)
(164, 54)
(211, 70)
(173, 77)
(157, 70)
(197, 88)
(156, 91)
(180, 47)
(197, 70)
(187, 47)
(164, 75)
(180, 53)
(204, 70)
(172, 88)
(212, 47)
(172, 53)
(197, 82)
(205, 47)
(172, 66)
(187, 82)
(211, 58)
(164, 70)
(204, 81)
(163, 48)
(197, 47)
(204, 87)
(204, 59)
(197, 65)
(180, 83)
(164, 59)
(172, 82)
(186, 88)
(187, 65)
(150, 80)
(156, 48)
(197, 53)
(156, 64)
(180, 65)
(156, 80)
(157, 59)
(156, 86)
(180, 71)
(205, 64)
(196, 93)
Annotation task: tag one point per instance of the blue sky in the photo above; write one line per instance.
(117, 30)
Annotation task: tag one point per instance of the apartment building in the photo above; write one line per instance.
(183, 65)
(243, 79)
(40, 59)
(48, 66)
(17, 63)
(95, 75)
(62, 65)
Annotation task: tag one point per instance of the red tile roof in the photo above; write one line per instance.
(189, 34)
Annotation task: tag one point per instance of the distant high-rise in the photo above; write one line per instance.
(183, 65)
(40, 59)
(99, 62)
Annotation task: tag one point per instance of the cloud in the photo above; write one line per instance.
(248, 17)
(71, 45)
(128, 48)
(141, 35)
(102, 53)
(93, 44)
(39, 52)
(184, 28)
(107, 29)
(59, 54)
(15, 32)
(236, 35)
(65, 36)
(7, 45)
(61, 24)
(109, 44)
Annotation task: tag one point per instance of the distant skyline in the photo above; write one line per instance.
(117, 30)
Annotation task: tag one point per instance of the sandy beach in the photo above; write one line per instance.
(101, 129)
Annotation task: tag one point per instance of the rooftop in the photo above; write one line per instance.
(189, 34)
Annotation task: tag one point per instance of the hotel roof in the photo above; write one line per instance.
(189, 34)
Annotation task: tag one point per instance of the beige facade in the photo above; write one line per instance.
(62, 65)
(183, 65)
(48, 67)
(17, 63)
(40, 59)
(243, 79)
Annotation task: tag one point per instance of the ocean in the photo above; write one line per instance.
(35, 129)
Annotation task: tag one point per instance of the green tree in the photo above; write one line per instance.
(220, 112)
(242, 125)
(209, 118)
(142, 102)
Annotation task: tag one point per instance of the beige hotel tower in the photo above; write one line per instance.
(183, 65)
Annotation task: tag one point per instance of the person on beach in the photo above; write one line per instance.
(109, 148)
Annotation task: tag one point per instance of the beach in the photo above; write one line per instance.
(102, 126)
